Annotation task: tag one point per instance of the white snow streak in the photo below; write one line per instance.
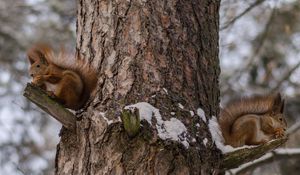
(201, 114)
(106, 119)
(205, 141)
(217, 137)
(192, 113)
(166, 91)
(180, 105)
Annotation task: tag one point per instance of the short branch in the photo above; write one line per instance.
(241, 156)
(50, 106)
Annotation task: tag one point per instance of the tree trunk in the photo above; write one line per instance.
(165, 53)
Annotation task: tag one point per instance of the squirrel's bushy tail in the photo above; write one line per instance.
(90, 78)
(85, 70)
(248, 105)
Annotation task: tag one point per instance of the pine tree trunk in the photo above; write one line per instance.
(163, 52)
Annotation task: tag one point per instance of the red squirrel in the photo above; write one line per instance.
(253, 120)
(70, 80)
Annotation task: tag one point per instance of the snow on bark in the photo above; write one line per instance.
(180, 106)
(172, 129)
(192, 113)
(217, 137)
(106, 119)
(201, 114)
(205, 141)
(166, 91)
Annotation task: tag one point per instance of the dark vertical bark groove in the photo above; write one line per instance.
(164, 52)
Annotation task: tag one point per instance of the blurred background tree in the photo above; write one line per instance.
(259, 53)
(27, 137)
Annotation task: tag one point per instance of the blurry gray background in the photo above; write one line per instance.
(259, 53)
(28, 138)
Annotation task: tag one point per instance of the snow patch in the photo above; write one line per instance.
(180, 105)
(201, 114)
(192, 113)
(205, 141)
(173, 129)
(172, 113)
(146, 111)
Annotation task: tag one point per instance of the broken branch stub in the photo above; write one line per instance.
(131, 121)
(39, 97)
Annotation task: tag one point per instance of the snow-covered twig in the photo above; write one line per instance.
(277, 154)
(236, 158)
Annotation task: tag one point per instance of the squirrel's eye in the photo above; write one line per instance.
(280, 119)
(38, 65)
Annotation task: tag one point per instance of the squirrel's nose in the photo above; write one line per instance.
(31, 75)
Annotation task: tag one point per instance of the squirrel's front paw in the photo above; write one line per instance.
(51, 94)
(38, 80)
(279, 132)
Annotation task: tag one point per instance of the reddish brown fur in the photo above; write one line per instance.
(73, 82)
(245, 121)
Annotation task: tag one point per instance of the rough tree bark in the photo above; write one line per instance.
(164, 52)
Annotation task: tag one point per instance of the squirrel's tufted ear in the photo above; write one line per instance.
(39, 53)
(278, 105)
(42, 57)
(282, 106)
(31, 59)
